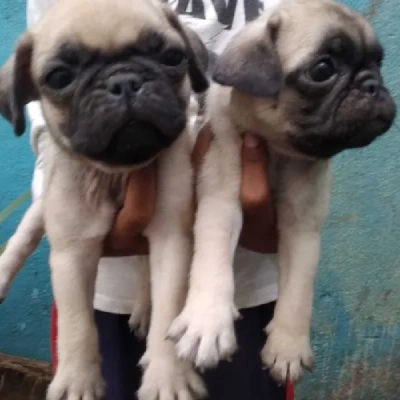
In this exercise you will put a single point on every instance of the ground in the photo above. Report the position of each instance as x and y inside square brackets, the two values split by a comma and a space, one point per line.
[23, 379]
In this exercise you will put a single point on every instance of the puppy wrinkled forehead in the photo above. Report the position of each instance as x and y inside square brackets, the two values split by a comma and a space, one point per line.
[99, 24]
[312, 22]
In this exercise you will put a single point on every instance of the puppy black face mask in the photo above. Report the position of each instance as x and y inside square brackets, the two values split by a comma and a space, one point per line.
[119, 101]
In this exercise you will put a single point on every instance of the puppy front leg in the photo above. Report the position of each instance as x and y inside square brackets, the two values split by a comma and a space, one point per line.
[302, 207]
[21, 245]
[204, 331]
[165, 376]
[73, 272]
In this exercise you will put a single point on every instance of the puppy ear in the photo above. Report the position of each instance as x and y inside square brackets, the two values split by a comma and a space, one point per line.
[198, 55]
[16, 85]
[250, 63]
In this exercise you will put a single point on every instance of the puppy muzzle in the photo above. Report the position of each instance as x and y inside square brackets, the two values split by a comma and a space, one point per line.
[126, 117]
[367, 112]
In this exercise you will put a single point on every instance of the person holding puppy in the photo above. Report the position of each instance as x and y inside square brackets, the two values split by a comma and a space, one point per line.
[255, 272]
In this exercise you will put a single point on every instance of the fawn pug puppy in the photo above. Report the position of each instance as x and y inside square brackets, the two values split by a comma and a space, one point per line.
[305, 76]
[114, 80]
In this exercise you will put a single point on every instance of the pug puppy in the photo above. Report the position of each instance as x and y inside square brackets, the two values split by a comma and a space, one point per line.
[114, 79]
[305, 76]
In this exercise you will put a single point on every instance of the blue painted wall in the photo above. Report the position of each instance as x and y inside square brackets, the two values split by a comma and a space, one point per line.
[356, 327]
[24, 316]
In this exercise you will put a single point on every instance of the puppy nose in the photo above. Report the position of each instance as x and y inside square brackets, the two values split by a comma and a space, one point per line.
[371, 86]
[123, 85]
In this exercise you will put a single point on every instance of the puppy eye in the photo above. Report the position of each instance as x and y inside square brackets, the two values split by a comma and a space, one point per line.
[173, 57]
[323, 70]
[59, 78]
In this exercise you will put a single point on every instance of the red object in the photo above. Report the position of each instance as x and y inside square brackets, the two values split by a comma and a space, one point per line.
[53, 349]
[289, 391]
[53, 337]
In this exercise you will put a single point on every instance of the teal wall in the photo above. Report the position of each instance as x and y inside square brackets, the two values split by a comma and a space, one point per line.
[356, 327]
[24, 316]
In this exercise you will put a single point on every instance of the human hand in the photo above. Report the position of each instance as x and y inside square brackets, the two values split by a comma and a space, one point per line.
[259, 231]
[125, 237]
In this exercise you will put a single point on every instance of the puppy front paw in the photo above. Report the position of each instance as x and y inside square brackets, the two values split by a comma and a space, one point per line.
[170, 378]
[77, 383]
[204, 332]
[286, 353]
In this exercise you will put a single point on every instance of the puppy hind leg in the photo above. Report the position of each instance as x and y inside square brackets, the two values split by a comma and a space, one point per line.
[288, 349]
[302, 208]
[21, 245]
[166, 377]
[141, 309]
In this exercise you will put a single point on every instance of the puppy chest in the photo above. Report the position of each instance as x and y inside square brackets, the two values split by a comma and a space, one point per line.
[83, 206]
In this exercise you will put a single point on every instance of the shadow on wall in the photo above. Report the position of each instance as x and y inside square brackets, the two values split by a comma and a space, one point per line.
[356, 328]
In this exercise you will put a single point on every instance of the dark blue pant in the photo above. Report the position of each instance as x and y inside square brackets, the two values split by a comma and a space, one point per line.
[241, 379]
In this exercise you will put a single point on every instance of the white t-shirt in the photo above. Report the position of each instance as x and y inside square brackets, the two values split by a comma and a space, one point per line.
[216, 21]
